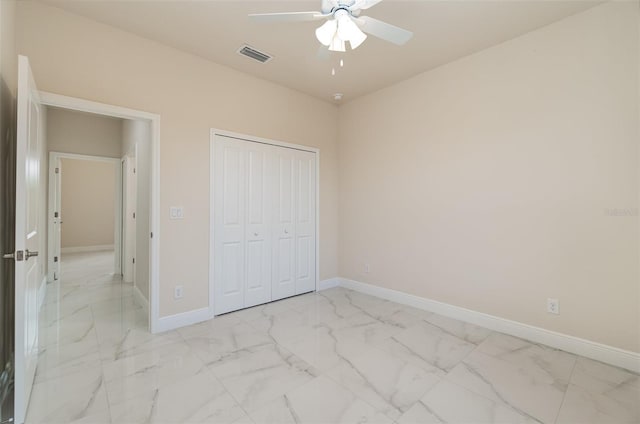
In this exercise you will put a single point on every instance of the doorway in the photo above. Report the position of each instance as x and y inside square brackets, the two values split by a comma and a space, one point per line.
[85, 204]
[137, 232]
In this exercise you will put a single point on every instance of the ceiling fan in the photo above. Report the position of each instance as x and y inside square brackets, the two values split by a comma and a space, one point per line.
[343, 23]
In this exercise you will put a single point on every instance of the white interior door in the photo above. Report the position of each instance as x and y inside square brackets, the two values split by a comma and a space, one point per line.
[55, 217]
[263, 223]
[229, 224]
[284, 228]
[305, 218]
[28, 268]
[258, 230]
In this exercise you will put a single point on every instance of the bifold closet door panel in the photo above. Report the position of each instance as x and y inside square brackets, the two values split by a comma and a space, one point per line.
[283, 228]
[258, 228]
[229, 224]
[305, 217]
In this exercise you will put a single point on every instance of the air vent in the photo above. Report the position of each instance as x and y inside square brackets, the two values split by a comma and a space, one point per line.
[254, 54]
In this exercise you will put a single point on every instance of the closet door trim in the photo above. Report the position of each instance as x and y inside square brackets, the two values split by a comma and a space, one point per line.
[217, 132]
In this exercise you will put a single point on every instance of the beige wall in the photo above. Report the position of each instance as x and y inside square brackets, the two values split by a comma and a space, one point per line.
[83, 133]
[486, 183]
[88, 203]
[81, 58]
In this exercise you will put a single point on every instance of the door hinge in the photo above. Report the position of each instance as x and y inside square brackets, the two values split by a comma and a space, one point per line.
[134, 170]
[57, 170]
[134, 260]
[134, 215]
[55, 259]
[55, 214]
[151, 235]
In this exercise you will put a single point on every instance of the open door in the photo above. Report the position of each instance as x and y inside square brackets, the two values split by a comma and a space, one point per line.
[28, 266]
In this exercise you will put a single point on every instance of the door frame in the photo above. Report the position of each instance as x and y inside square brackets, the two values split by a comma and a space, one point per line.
[82, 105]
[54, 157]
[125, 180]
[254, 139]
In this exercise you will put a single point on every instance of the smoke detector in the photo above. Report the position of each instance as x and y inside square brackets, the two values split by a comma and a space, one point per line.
[337, 97]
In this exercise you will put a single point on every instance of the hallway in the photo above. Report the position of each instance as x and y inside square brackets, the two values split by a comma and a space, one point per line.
[88, 317]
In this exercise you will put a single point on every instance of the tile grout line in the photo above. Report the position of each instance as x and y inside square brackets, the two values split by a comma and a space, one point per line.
[564, 395]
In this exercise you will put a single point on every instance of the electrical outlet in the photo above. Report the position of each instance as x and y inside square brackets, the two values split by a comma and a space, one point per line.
[178, 292]
[553, 306]
[367, 268]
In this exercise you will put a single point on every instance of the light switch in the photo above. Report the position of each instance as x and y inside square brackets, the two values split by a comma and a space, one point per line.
[176, 212]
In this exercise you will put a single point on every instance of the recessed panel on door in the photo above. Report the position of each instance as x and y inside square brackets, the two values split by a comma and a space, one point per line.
[258, 230]
[229, 226]
[305, 217]
[283, 284]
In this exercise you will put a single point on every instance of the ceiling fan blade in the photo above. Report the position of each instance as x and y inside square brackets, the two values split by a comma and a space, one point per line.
[383, 30]
[286, 16]
[364, 4]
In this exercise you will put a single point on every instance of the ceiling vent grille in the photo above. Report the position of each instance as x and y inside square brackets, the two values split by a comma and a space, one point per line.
[254, 54]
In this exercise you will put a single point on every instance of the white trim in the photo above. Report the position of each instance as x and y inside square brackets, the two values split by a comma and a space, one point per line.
[317, 229]
[183, 319]
[329, 283]
[54, 160]
[255, 139]
[73, 103]
[84, 157]
[139, 299]
[82, 105]
[262, 140]
[604, 353]
[154, 224]
[51, 205]
[211, 307]
[80, 249]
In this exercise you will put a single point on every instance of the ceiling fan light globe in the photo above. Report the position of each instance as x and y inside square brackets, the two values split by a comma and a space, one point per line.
[357, 40]
[326, 32]
[337, 44]
[347, 28]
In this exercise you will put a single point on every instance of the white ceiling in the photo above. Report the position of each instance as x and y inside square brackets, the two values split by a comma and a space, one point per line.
[215, 29]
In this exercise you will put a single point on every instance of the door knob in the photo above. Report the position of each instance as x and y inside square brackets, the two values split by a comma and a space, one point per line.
[28, 254]
[18, 255]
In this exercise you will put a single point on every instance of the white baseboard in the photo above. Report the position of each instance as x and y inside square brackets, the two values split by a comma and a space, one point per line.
[183, 319]
[140, 300]
[80, 249]
[601, 352]
[329, 283]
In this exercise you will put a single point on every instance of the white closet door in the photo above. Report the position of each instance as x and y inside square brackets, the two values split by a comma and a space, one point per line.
[258, 229]
[305, 218]
[283, 247]
[229, 224]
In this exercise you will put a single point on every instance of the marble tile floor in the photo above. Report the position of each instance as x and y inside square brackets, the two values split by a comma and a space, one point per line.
[336, 356]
